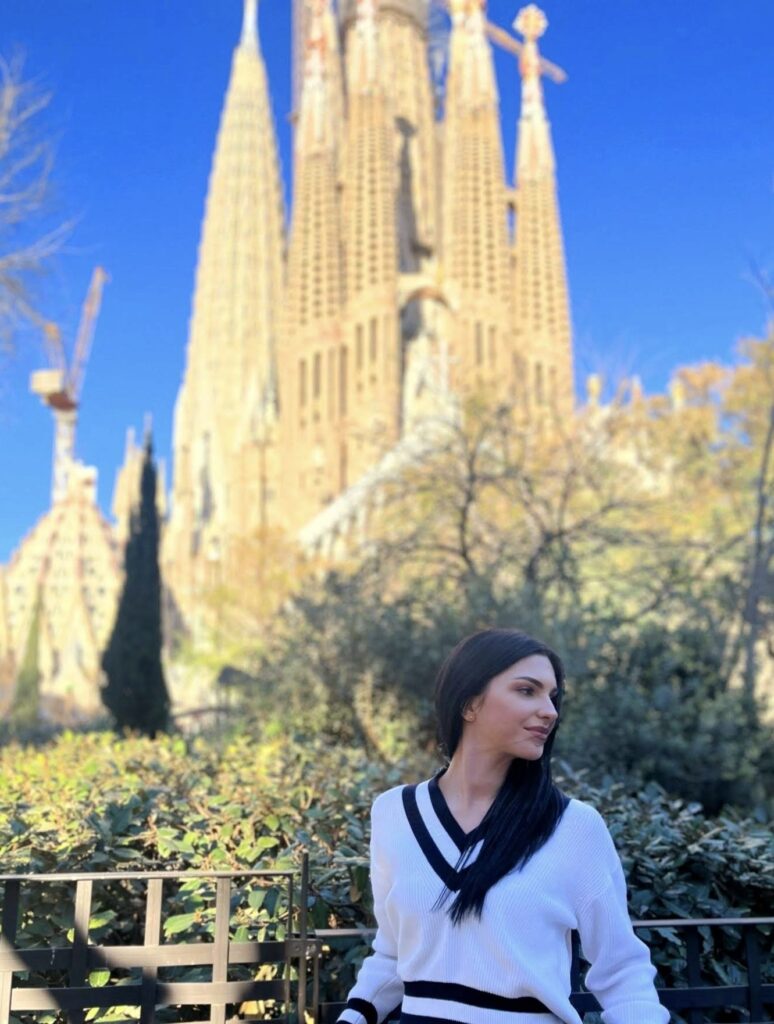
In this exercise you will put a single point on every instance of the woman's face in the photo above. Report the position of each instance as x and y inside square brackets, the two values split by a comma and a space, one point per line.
[514, 702]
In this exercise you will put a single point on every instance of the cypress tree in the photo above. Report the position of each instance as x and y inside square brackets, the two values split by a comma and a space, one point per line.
[135, 691]
[26, 700]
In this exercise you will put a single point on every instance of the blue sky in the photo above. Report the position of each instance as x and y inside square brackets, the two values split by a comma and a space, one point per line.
[665, 151]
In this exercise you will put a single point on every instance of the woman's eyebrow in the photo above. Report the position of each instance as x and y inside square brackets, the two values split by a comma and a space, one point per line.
[531, 679]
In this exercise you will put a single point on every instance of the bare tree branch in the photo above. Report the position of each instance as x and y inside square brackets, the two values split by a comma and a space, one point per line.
[26, 164]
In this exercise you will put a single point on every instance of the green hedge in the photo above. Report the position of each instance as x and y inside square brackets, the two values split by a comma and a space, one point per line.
[95, 802]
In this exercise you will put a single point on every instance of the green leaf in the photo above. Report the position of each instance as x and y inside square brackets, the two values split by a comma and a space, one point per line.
[97, 979]
[101, 919]
[266, 843]
[178, 923]
[256, 898]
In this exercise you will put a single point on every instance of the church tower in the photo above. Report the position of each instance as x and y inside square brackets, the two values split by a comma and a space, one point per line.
[314, 364]
[474, 224]
[402, 29]
[372, 395]
[399, 288]
[541, 301]
[228, 397]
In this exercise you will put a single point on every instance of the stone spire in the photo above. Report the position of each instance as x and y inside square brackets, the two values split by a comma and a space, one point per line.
[249, 40]
[541, 301]
[126, 490]
[68, 571]
[474, 224]
[402, 28]
[313, 361]
[373, 383]
[233, 329]
[321, 106]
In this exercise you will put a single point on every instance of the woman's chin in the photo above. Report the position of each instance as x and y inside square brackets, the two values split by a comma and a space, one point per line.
[530, 751]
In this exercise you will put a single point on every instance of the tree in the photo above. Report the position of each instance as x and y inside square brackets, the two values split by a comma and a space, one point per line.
[26, 701]
[26, 161]
[136, 692]
[751, 404]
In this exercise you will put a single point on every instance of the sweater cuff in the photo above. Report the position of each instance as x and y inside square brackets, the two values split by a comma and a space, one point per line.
[358, 1011]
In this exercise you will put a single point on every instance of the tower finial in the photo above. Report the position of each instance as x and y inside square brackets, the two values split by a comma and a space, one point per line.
[531, 23]
[249, 38]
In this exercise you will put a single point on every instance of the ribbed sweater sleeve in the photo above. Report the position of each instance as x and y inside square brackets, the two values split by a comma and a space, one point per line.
[621, 974]
[378, 989]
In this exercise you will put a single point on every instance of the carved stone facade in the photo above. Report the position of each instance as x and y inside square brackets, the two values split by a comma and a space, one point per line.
[67, 574]
[400, 285]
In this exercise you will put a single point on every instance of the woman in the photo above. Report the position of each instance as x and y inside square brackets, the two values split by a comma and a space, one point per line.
[480, 873]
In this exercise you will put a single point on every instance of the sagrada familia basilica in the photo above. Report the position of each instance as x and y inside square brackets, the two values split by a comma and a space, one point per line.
[412, 269]
[419, 263]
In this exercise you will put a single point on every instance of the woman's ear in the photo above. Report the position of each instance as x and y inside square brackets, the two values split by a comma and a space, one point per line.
[470, 709]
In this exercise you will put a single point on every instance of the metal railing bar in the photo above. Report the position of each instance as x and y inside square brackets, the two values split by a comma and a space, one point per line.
[693, 970]
[150, 971]
[316, 983]
[753, 950]
[289, 931]
[692, 922]
[78, 961]
[178, 954]
[302, 923]
[220, 951]
[167, 993]
[661, 922]
[112, 876]
[10, 921]
[575, 971]
[705, 996]
[10, 918]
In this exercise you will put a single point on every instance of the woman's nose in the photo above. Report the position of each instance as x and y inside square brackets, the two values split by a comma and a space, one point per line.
[550, 711]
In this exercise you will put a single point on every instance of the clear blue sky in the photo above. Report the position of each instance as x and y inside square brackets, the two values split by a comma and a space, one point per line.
[665, 148]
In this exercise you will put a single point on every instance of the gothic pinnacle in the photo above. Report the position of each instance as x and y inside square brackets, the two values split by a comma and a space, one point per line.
[249, 40]
[366, 34]
[531, 23]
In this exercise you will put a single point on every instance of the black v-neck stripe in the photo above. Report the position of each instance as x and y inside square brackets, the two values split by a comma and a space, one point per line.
[439, 864]
[460, 838]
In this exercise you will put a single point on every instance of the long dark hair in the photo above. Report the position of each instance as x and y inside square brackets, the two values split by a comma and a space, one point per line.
[528, 806]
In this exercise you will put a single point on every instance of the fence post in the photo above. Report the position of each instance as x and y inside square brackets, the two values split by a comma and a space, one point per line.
[150, 974]
[303, 935]
[78, 964]
[754, 973]
[220, 961]
[7, 940]
[693, 951]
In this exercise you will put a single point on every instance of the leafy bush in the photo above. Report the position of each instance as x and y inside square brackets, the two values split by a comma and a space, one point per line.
[643, 699]
[654, 704]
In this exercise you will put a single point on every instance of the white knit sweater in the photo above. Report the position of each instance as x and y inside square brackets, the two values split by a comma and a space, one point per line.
[472, 973]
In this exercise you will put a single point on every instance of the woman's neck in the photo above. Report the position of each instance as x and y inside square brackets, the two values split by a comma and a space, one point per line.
[473, 779]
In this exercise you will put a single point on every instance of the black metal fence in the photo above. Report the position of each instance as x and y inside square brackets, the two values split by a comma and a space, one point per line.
[292, 993]
[147, 991]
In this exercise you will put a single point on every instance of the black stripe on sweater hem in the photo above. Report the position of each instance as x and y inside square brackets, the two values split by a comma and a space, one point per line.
[412, 1018]
[367, 1009]
[457, 993]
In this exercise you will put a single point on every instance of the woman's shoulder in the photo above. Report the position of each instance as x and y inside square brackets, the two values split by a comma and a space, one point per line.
[385, 802]
[586, 819]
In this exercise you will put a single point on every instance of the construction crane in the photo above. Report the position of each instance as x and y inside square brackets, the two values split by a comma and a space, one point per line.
[59, 387]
